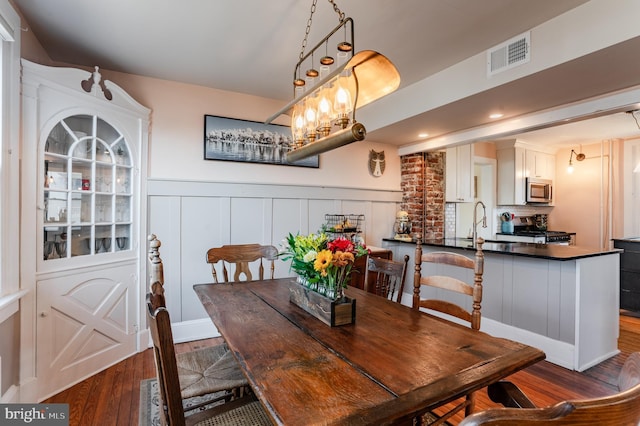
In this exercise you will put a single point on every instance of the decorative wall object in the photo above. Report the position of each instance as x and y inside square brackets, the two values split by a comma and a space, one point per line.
[230, 139]
[376, 163]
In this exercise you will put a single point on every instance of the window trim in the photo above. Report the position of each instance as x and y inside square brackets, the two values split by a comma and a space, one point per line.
[9, 153]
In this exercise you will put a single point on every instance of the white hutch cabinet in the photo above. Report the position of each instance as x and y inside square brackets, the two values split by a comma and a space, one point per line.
[83, 243]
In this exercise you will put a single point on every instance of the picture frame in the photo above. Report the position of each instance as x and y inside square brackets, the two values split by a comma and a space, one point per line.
[231, 139]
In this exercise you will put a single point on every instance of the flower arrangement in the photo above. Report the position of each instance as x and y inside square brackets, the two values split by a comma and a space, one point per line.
[323, 265]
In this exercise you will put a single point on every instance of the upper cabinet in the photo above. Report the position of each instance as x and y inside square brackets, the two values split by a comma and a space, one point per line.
[511, 176]
[459, 174]
[516, 162]
[540, 165]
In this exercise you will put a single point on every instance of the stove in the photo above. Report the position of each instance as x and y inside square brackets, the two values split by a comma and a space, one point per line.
[525, 231]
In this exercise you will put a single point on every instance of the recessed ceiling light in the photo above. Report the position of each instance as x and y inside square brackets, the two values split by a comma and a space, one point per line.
[423, 135]
[496, 115]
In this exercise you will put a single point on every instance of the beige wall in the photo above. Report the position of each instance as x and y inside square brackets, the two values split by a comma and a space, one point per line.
[484, 149]
[176, 146]
[586, 203]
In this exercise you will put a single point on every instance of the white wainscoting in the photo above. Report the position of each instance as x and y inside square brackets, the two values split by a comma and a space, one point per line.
[190, 217]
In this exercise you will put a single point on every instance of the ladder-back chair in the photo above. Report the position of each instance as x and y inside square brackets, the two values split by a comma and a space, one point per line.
[243, 410]
[473, 290]
[209, 371]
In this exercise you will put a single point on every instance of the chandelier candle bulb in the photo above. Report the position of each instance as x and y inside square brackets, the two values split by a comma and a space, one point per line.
[311, 119]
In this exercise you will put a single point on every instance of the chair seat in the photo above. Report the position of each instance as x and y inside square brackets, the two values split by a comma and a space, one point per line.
[208, 370]
[248, 414]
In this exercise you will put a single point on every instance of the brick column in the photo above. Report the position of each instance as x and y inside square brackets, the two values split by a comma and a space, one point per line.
[434, 204]
[412, 185]
[422, 184]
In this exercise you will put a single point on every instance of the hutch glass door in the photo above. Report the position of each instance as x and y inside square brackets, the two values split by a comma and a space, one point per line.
[87, 189]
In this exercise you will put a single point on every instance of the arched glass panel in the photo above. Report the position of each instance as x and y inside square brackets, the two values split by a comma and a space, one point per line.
[87, 189]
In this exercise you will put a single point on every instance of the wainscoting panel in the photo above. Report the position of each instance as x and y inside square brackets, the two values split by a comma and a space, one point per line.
[191, 217]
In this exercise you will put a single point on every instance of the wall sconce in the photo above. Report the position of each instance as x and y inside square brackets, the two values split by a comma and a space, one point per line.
[579, 157]
[325, 101]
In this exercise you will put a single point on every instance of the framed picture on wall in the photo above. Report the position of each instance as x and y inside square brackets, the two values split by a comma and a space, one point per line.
[230, 139]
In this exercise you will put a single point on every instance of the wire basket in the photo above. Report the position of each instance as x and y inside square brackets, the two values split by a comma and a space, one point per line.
[343, 223]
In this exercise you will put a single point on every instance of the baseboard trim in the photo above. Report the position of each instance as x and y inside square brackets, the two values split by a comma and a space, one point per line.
[186, 331]
[11, 395]
[559, 353]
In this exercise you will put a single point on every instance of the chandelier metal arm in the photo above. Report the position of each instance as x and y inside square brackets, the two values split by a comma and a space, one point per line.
[303, 58]
[356, 82]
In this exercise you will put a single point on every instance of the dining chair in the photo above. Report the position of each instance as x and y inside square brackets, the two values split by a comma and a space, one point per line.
[242, 256]
[622, 408]
[433, 263]
[207, 371]
[244, 410]
[386, 277]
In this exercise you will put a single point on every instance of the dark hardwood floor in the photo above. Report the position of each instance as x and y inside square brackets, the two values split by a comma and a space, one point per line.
[111, 397]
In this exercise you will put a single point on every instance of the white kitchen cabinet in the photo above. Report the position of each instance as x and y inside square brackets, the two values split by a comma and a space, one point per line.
[511, 176]
[83, 197]
[516, 162]
[459, 186]
[540, 164]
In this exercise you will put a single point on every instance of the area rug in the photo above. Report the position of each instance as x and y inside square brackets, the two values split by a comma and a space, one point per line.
[150, 403]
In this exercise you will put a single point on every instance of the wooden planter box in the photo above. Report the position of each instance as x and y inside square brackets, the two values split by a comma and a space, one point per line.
[327, 310]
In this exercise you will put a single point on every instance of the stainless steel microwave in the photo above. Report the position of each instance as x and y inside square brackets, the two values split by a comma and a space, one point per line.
[539, 191]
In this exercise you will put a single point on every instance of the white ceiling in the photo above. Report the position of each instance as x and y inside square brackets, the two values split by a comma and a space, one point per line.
[251, 46]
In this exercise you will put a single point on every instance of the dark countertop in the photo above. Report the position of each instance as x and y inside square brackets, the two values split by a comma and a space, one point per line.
[628, 239]
[542, 251]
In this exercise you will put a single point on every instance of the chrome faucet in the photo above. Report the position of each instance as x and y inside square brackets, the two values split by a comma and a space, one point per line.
[476, 221]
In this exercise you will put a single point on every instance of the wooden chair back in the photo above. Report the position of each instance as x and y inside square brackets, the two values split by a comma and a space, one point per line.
[621, 409]
[166, 365]
[242, 255]
[156, 273]
[389, 277]
[473, 290]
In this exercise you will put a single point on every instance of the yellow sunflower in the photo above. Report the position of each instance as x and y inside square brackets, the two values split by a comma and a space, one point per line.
[323, 260]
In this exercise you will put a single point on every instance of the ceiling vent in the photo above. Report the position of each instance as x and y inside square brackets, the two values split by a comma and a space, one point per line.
[509, 54]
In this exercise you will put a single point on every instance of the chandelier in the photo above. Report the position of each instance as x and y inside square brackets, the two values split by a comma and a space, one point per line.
[326, 97]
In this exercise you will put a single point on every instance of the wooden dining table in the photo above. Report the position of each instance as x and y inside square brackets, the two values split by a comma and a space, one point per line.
[390, 364]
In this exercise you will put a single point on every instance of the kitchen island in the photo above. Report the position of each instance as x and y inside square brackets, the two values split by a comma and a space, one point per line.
[561, 299]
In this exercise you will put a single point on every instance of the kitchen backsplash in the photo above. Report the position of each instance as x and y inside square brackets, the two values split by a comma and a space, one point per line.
[518, 211]
[450, 220]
